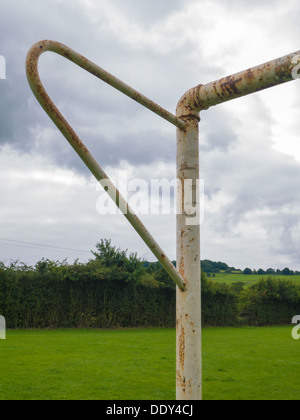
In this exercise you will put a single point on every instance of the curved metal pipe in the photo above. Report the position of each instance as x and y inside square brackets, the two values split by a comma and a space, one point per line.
[68, 132]
[61, 49]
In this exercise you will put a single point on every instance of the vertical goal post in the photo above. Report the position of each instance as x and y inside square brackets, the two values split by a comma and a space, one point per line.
[187, 273]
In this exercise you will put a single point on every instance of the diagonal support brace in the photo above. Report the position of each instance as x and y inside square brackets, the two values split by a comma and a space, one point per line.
[80, 148]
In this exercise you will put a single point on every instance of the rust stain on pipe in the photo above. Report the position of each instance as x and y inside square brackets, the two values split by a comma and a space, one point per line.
[182, 347]
[249, 81]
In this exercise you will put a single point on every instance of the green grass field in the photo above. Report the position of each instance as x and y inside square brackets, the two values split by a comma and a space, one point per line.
[248, 279]
[139, 364]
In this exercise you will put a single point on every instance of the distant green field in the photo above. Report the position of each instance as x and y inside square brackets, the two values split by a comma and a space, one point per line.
[139, 364]
[248, 279]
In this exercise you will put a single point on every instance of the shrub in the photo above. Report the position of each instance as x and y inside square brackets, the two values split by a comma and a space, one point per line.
[270, 301]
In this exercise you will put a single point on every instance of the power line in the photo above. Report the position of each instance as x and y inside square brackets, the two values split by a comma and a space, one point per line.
[34, 245]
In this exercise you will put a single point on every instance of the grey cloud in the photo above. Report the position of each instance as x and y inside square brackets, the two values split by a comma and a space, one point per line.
[84, 101]
[148, 12]
[265, 194]
[220, 136]
[21, 26]
[253, 178]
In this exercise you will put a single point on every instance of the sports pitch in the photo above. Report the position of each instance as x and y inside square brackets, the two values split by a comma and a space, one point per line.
[139, 364]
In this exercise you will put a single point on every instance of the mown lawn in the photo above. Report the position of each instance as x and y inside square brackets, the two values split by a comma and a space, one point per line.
[139, 364]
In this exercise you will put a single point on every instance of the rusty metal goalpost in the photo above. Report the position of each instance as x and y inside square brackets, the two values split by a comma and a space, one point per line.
[187, 273]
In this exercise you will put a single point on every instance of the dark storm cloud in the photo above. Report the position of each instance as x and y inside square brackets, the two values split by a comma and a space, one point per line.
[20, 27]
[117, 128]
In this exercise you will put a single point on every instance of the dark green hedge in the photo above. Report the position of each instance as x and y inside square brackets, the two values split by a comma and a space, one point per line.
[91, 295]
[81, 296]
[271, 301]
[219, 304]
[113, 291]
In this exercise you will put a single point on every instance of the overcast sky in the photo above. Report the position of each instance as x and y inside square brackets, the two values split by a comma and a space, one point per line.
[249, 148]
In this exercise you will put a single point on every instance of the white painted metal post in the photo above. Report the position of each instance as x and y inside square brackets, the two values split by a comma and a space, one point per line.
[199, 98]
[188, 305]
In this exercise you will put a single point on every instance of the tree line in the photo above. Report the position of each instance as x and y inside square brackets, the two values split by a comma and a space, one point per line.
[115, 290]
[210, 267]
